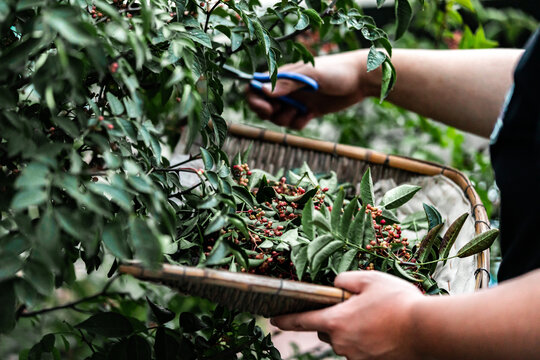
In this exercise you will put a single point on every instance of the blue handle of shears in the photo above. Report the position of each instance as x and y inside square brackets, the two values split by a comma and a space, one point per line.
[311, 85]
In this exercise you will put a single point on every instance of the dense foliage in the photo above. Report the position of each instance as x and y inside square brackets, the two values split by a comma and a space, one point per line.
[91, 93]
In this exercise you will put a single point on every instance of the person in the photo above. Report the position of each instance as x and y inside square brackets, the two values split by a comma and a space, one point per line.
[388, 318]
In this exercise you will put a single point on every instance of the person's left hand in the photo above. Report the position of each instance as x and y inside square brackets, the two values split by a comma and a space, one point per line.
[373, 324]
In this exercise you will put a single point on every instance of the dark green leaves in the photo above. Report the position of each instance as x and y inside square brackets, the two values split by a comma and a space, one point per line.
[427, 243]
[403, 17]
[161, 314]
[375, 59]
[145, 242]
[433, 216]
[366, 189]
[399, 196]
[451, 235]
[479, 243]
[7, 306]
[108, 324]
[307, 220]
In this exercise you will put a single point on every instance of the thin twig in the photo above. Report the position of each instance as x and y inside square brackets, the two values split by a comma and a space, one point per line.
[208, 15]
[191, 158]
[73, 305]
[86, 341]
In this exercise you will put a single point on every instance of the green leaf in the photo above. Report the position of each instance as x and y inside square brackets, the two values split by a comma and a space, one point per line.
[218, 222]
[108, 324]
[191, 323]
[117, 195]
[321, 222]
[219, 252]
[380, 3]
[7, 306]
[262, 36]
[207, 158]
[307, 220]
[366, 189]
[314, 17]
[479, 243]
[146, 244]
[375, 59]
[242, 194]
[300, 260]
[323, 254]
[346, 219]
[166, 346]
[290, 237]
[238, 222]
[347, 260]
[403, 17]
[40, 276]
[48, 235]
[9, 265]
[161, 314]
[399, 196]
[316, 245]
[34, 175]
[198, 36]
[28, 197]
[369, 231]
[356, 231]
[450, 236]
[388, 79]
[427, 243]
[303, 21]
[116, 105]
[335, 214]
[403, 273]
[115, 240]
[433, 216]
[64, 20]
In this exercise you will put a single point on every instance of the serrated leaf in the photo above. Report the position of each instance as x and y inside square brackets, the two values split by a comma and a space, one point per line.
[403, 17]
[108, 324]
[479, 243]
[347, 260]
[366, 189]
[427, 243]
[399, 196]
[375, 59]
[323, 254]
[369, 230]
[335, 214]
[316, 245]
[450, 236]
[307, 219]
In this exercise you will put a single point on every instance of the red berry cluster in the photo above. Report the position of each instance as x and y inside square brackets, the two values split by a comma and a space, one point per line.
[241, 174]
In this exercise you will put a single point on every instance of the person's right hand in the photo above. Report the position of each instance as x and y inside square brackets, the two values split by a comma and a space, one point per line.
[342, 82]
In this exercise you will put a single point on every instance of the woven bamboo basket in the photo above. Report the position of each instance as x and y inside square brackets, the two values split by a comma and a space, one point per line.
[272, 151]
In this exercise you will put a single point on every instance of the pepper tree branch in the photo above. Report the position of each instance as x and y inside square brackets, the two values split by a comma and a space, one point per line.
[73, 305]
[208, 15]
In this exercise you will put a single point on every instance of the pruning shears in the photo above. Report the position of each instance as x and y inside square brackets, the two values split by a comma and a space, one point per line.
[257, 79]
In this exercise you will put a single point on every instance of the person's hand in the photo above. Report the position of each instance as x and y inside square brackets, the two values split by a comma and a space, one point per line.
[373, 324]
[342, 82]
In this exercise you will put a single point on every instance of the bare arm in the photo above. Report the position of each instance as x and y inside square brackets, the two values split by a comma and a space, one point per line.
[462, 88]
[390, 319]
[499, 323]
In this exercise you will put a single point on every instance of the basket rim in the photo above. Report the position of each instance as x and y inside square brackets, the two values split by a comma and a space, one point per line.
[421, 167]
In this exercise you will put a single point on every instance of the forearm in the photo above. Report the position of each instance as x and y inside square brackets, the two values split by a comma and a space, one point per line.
[498, 323]
[462, 88]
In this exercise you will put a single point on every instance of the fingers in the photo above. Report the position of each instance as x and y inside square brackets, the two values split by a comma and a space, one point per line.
[306, 321]
[354, 281]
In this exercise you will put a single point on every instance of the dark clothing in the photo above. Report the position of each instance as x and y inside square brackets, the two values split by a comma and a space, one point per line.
[515, 155]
